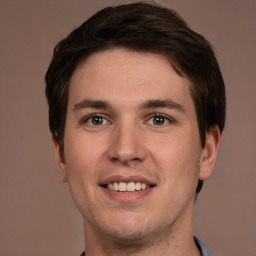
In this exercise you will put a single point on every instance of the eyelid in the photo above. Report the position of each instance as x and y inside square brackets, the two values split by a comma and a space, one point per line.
[86, 118]
[167, 117]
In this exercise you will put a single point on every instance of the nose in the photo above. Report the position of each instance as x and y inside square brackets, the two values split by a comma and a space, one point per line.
[127, 145]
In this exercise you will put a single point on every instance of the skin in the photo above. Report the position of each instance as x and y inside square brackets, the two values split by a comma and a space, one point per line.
[131, 141]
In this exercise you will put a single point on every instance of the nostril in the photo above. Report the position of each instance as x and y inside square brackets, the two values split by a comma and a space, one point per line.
[114, 159]
[126, 160]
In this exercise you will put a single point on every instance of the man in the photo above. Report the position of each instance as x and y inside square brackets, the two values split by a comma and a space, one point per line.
[136, 108]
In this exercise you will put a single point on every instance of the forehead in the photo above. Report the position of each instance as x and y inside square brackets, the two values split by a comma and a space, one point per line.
[127, 76]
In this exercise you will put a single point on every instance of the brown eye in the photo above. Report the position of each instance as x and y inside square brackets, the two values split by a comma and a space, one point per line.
[96, 120]
[159, 120]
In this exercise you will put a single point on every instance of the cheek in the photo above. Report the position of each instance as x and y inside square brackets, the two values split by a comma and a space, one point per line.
[82, 158]
[179, 148]
[82, 153]
[177, 158]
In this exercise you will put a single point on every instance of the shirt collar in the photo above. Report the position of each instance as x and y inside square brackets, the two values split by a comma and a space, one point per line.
[201, 247]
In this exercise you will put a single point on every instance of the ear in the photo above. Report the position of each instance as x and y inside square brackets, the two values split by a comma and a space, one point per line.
[209, 153]
[61, 166]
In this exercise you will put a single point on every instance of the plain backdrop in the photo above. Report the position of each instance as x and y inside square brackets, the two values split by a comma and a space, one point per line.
[37, 214]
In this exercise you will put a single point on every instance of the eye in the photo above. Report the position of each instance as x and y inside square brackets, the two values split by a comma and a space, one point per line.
[160, 119]
[95, 120]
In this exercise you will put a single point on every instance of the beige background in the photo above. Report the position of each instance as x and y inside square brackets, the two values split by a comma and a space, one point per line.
[36, 212]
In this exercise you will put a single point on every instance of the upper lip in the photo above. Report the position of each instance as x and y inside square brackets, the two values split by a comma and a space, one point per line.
[126, 179]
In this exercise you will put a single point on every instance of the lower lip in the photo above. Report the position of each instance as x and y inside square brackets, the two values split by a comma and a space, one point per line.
[127, 196]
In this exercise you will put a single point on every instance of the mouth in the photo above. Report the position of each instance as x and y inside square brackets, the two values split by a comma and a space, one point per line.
[127, 189]
[119, 183]
[130, 186]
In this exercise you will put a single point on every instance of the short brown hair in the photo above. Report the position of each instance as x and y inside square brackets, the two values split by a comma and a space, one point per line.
[142, 27]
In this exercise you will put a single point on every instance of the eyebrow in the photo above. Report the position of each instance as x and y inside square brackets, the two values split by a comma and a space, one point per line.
[100, 104]
[86, 103]
[162, 104]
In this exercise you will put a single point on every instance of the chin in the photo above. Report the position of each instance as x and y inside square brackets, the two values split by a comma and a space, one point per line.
[128, 231]
[129, 237]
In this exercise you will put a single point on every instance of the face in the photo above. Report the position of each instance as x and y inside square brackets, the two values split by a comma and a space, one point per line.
[132, 147]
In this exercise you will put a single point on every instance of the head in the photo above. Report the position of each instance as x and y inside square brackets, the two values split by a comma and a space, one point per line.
[139, 27]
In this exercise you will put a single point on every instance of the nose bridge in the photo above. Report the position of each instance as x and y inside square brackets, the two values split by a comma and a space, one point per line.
[127, 142]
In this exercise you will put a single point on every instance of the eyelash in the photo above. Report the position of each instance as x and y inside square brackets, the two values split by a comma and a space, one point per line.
[165, 117]
[87, 118]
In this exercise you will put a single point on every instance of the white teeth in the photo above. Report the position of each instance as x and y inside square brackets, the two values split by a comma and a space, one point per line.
[130, 186]
[122, 186]
[138, 186]
[115, 186]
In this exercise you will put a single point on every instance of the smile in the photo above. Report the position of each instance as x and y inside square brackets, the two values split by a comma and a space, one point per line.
[127, 187]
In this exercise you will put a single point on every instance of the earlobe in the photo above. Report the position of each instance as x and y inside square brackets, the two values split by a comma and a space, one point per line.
[209, 153]
[61, 166]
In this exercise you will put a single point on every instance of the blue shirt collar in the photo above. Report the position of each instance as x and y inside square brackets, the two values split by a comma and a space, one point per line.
[201, 247]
